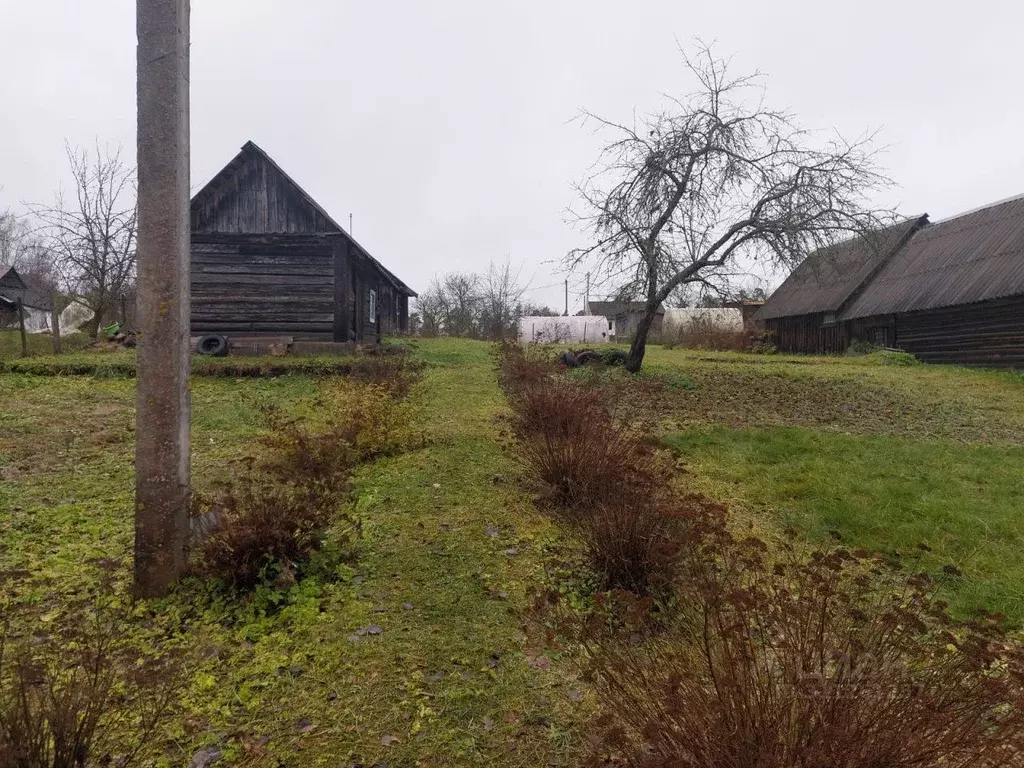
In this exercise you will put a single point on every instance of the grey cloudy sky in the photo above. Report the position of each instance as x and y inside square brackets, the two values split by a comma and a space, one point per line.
[443, 125]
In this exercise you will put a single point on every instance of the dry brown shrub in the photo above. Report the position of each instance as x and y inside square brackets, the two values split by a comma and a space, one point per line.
[829, 659]
[72, 690]
[266, 530]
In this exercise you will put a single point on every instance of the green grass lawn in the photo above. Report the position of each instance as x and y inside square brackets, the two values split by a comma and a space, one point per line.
[450, 547]
[963, 503]
[843, 449]
[38, 343]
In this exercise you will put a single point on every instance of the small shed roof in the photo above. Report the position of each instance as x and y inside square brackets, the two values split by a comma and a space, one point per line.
[972, 257]
[829, 277]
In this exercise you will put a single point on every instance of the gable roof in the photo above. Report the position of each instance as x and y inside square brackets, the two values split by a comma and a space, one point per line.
[12, 280]
[613, 308]
[13, 287]
[828, 278]
[971, 257]
[322, 220]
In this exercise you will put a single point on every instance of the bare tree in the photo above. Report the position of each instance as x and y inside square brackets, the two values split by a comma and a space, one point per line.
[483, 306]
[430, 309]
[21, 248]
[92, 235]
[500, 303]
[461, 297]
[713, 186]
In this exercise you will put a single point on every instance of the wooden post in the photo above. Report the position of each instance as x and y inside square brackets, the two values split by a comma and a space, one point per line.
[55, 324]
[162, 404]
[21, 327]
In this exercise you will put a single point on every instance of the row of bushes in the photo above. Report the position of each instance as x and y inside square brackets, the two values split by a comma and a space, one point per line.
[370, 368]
[709, 649]
[704, 333]
[80, 689]
[267, 523]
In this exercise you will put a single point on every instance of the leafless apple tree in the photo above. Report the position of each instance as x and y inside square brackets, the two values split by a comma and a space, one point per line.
[91, 232]
[714, 185]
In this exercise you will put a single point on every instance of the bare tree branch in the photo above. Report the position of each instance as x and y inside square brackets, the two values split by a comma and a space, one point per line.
[714, 184]
[92, 237]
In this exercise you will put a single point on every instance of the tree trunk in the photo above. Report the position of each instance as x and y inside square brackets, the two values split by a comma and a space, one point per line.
[55, 323]
[94, 323]
[639, 346]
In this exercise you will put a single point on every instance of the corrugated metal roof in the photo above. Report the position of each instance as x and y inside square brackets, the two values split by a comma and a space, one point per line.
[969, 258]
[827, 278]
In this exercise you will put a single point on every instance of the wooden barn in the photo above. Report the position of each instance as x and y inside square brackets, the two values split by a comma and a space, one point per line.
[267, 260]
[950, 291]
[803, 313]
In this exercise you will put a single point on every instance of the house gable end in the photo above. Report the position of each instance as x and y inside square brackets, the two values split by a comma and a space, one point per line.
[253, 195]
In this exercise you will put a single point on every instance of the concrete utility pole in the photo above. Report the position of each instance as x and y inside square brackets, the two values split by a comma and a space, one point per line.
[162, 407]
[566, 297]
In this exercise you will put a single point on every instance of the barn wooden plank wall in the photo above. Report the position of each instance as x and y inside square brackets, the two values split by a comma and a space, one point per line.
[989, 333]
[808, 334]
[263, 284]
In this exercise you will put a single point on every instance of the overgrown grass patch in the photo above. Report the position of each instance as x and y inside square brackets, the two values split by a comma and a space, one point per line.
[411, 653]
[954, 510]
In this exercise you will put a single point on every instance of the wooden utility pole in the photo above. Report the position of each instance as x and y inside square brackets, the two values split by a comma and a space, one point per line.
[566, 297]
[162, 302]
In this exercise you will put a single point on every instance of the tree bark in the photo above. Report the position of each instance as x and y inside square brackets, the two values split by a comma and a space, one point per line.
[639, 346]
[21, 327]
[94, 323]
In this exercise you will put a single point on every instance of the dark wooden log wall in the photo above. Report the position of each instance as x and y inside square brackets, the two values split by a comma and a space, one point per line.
[988, 333]
[281, 284]
[807, 334]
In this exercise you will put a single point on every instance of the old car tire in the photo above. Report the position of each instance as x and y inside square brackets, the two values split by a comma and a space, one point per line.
[214, 345]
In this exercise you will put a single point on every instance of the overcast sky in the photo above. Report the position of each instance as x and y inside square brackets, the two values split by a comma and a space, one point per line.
[443, 126]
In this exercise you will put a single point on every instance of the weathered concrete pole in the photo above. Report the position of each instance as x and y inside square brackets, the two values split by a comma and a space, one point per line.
[162, 303]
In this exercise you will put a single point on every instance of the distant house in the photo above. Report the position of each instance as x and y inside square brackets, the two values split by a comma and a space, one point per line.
[266, 259]
[950, 291]
[38, 306]
[623, 316]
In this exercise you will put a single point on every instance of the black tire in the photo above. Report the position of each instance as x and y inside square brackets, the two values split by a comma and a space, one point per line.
[615, 357]
[213, 345]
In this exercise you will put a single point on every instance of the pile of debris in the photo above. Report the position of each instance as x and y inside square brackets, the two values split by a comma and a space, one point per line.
[115, 337]
[575, 358]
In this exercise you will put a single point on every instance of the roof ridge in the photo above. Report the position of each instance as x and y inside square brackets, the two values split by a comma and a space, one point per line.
[979, 209]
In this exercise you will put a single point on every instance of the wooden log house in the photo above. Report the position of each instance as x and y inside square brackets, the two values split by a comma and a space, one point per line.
[266, 259]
